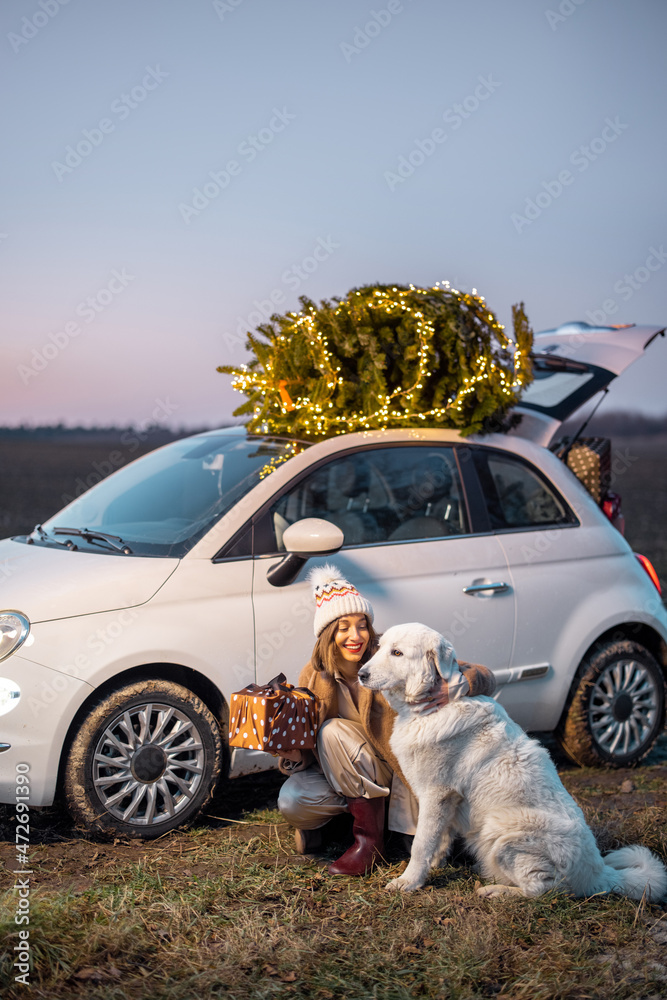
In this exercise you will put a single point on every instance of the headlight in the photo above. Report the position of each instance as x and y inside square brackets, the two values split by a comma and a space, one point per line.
[10, 694]
[14, 630]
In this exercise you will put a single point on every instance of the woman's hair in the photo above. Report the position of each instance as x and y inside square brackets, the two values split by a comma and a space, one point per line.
[325, 651]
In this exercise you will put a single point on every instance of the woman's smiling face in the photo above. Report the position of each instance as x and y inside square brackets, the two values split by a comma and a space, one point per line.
[352, 637]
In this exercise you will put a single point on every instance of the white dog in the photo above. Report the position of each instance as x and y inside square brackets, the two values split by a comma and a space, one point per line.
[477, 774]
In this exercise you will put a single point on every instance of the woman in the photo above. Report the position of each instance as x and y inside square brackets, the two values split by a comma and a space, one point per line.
[353, 768]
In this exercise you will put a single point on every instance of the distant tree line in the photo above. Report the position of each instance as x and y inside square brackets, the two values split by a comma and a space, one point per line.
[616, 423]
[60, 432]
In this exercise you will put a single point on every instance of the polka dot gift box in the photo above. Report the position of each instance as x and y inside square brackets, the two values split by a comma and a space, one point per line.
[274, 717]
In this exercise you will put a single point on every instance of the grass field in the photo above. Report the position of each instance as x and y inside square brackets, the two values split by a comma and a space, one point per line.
[228, 910]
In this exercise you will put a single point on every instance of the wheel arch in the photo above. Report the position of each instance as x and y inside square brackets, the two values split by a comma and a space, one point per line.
[638, 632]
[571, 728]
[177, 673]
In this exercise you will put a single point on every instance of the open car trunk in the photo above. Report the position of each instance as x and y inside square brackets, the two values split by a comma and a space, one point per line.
[571, 364]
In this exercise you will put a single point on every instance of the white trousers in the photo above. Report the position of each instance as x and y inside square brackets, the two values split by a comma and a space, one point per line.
[349, 769]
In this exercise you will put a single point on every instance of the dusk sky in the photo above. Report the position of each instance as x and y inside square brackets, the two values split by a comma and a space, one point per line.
[174, 170]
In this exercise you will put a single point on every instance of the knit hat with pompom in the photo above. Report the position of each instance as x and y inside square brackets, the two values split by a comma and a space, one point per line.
[334, 597]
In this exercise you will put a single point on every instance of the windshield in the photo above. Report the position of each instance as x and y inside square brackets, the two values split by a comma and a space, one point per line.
[166, 501]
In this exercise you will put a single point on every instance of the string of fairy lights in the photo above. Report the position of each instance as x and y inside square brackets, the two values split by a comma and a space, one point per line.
[291, 449]
[400, 404]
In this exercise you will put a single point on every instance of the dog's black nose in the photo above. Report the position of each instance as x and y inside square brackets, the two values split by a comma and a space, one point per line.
[363, 674]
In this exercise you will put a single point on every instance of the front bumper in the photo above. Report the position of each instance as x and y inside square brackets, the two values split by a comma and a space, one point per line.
[36, 728]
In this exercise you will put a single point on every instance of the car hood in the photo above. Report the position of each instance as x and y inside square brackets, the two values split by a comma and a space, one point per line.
[48, 583]
[572, 363]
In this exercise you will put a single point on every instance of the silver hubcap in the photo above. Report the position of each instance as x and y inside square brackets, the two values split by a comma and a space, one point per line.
[148, 764]
[623, 708]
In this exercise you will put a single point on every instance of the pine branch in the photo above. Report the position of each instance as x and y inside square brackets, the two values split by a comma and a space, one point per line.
[384, 356]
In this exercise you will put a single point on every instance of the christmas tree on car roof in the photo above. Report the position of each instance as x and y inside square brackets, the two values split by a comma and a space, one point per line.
[384, 356]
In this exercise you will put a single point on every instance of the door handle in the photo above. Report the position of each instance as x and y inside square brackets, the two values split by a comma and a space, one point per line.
[477, 588]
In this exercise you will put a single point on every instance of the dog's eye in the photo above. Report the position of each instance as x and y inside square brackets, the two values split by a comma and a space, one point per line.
[396, 652]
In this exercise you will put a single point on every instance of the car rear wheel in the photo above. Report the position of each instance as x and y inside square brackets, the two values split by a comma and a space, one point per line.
[144, 761]
[617, 709]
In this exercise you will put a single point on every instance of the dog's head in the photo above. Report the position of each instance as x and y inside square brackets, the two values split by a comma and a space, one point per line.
[410, 660]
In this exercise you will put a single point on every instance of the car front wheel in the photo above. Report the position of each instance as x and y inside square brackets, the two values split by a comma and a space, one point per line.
[618, 707]
[145, 760]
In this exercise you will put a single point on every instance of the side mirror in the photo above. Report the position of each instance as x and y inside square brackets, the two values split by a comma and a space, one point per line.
[313, 537]
[304, 539]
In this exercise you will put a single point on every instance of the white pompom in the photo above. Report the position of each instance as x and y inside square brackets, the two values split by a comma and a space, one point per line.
[320, 576]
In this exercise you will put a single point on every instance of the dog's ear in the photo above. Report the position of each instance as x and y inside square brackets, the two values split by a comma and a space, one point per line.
[422, 678]
[444, 659]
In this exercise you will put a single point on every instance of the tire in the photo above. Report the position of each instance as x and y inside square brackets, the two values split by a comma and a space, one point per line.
[617, 709]
[164, 752]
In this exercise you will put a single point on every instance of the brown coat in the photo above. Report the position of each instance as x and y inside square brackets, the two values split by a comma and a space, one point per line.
[376, 715]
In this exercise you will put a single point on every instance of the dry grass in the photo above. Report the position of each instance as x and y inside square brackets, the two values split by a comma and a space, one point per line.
[231, 912]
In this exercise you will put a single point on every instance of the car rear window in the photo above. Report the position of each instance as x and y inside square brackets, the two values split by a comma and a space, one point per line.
[516, 494]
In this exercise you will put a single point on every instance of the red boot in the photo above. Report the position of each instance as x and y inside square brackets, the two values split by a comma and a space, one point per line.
[368, 830]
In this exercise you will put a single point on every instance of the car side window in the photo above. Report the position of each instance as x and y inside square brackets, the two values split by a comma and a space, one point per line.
[378, 495]
[516, 495]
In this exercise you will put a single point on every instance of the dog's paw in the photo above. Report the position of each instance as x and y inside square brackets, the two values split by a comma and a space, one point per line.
[493, 891]
[403, 884]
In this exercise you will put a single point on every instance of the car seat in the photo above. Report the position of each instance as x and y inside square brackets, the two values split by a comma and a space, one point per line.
[338, 492]
[432, 510]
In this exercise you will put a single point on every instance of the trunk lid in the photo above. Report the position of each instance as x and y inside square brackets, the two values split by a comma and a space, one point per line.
[572, 363]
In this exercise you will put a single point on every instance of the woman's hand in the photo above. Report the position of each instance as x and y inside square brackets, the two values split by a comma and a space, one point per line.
[442, 693]
[291, 761]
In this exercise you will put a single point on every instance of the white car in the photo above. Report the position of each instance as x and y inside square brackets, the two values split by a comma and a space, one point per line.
[132, 615]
